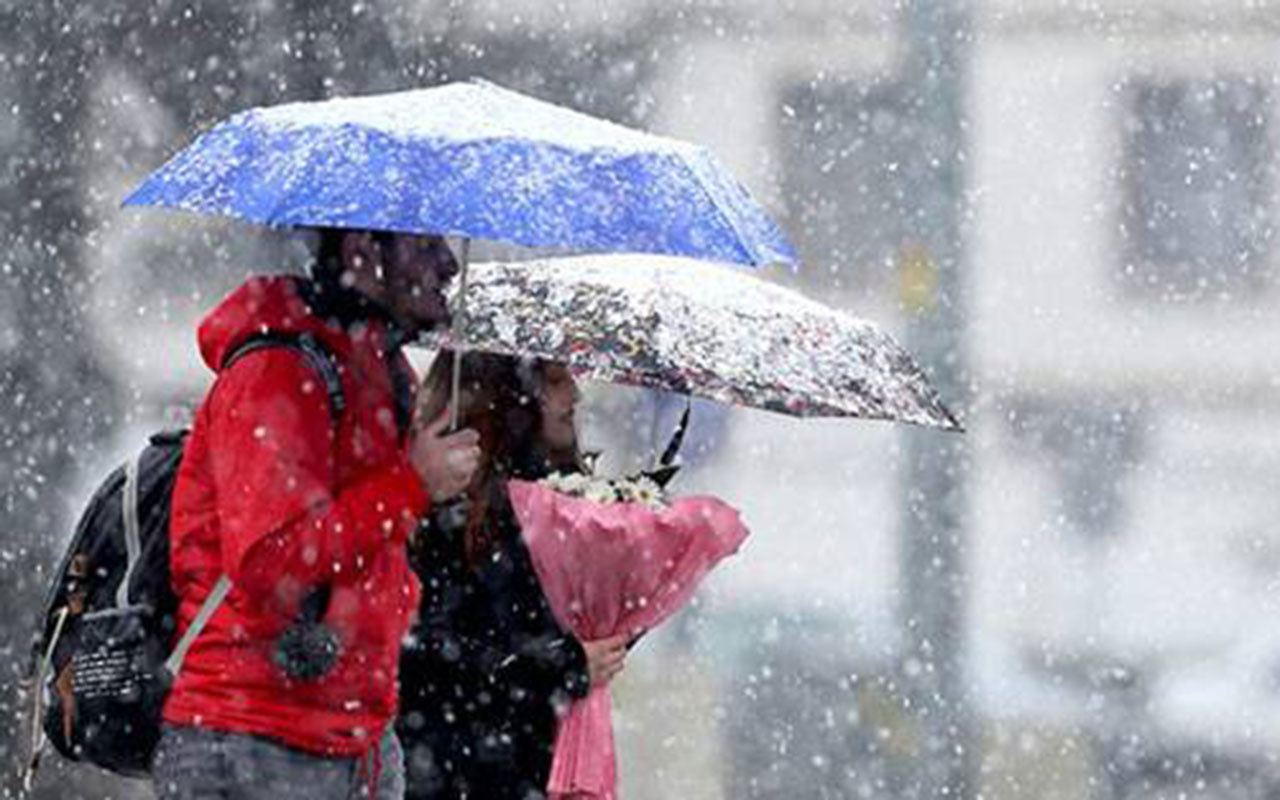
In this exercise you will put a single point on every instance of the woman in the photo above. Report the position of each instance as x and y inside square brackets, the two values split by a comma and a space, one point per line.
[487, 666]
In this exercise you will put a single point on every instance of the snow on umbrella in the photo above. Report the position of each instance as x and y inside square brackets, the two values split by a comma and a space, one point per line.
[471, 160]
[696, 328]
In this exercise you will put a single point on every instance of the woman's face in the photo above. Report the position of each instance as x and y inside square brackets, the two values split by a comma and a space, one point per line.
[559, 395]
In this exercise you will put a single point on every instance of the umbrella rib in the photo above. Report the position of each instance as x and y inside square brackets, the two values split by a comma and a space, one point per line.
[742, 241]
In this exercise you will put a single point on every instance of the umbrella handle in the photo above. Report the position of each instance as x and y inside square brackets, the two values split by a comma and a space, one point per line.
[668, 456]
[459, 322]
[662, 463]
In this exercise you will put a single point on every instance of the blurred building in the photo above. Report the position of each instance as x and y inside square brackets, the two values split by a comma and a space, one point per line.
[1120, 290]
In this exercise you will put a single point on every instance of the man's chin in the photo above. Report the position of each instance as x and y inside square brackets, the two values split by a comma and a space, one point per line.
[440, 315]
[433, 321]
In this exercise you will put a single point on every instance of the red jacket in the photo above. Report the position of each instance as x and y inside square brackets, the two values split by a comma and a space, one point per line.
[275, 493]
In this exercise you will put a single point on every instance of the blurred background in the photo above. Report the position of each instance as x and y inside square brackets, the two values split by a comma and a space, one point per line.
[1065, 208]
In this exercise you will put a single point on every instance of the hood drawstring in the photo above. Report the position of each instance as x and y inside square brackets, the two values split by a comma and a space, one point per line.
[370, 769]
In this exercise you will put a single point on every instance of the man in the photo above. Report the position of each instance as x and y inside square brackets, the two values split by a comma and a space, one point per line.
[307, 512]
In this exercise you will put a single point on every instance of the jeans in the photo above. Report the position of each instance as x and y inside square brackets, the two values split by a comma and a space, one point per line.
[201, 764]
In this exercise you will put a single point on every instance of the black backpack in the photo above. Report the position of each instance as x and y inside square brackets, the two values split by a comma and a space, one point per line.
[101, 659]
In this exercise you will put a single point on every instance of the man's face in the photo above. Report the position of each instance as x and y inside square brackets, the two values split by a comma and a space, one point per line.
[415, 271]
[558, 396]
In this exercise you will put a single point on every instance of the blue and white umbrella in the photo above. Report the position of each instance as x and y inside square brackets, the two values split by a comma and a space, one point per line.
[472, 160]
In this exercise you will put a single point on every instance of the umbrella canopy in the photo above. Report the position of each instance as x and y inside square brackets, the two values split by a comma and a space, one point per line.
[696, 328]
[472, 160]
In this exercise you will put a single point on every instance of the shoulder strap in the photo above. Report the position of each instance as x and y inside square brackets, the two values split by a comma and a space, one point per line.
[216, 595]
[132, 538]
[318, 355]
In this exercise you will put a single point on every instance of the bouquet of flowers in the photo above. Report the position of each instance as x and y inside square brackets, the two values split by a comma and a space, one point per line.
[613, 556]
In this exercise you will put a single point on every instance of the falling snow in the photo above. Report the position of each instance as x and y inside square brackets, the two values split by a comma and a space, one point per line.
[1064, 212]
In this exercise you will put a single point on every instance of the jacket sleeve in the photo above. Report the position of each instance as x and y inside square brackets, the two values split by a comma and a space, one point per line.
[554, 661]
[285, 527]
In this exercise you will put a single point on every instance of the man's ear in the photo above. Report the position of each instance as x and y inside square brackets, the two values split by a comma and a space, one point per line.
[358, 251]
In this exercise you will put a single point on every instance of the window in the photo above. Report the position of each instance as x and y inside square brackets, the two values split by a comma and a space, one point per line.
[847, 167]
[1091, 444]
[1196, 187]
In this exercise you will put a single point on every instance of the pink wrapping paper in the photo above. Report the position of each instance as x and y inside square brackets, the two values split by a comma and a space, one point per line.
[608, 569]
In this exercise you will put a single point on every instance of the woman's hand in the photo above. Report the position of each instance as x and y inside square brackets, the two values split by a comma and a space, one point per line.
[605, 658]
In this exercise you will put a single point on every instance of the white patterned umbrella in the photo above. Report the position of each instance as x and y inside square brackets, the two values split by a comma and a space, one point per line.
[695, 328]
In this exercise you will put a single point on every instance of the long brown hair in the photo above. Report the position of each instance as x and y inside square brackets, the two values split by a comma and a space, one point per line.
[499, 399]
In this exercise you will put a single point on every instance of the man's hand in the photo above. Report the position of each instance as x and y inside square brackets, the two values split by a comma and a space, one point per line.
[444, 462]
[605, 658]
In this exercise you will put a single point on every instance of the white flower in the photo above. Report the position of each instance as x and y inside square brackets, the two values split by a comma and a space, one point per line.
[576, 483]
[599, 492]
[647, 492]
[572, 483]
[604, 491]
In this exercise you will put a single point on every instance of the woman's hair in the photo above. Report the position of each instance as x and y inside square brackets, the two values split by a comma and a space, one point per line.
[499, 399]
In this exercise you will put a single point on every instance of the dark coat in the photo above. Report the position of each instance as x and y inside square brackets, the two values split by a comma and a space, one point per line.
[485, 669]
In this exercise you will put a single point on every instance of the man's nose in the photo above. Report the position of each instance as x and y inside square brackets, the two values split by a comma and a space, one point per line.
[448, 263]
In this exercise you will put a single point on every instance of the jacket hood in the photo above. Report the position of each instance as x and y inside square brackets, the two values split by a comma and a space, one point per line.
[276, 304]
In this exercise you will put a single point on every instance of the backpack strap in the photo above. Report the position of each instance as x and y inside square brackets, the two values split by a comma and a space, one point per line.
[216, 595]
[133, 545]
[132, 540]
[318, 354]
